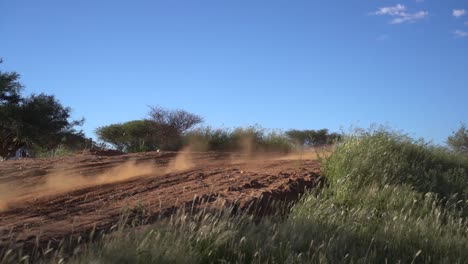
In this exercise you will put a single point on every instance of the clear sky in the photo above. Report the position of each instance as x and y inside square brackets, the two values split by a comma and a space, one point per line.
[279, 63]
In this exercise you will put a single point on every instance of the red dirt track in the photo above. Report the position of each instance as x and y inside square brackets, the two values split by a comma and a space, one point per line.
[53, 212]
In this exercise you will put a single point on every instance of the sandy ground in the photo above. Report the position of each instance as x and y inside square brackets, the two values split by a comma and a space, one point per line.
[49, 199]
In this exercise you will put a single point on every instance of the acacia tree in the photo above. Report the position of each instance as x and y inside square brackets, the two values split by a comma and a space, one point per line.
[163, 129]
[313, 137]
[139, 135]
[177, 119]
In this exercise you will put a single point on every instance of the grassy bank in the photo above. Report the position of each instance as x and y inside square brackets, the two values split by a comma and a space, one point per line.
[389, 199]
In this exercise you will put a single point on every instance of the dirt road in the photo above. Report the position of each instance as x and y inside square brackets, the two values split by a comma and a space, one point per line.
[49, 199]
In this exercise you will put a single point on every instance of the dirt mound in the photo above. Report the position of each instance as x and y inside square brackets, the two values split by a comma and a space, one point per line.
[91, 192]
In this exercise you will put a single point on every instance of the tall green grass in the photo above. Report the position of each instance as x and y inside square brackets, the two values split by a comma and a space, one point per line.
[60, 151]
[389, 199]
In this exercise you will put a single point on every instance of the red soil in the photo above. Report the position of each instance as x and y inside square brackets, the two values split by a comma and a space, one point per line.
[51, 199]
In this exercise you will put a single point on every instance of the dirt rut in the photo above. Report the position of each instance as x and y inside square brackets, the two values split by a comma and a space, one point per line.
[43, 215]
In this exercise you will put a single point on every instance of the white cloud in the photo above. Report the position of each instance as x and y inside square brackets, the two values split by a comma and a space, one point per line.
[458, 12]
[410, 17]
[460, 33]
[466, 23]
[400, 15]
[391, 10]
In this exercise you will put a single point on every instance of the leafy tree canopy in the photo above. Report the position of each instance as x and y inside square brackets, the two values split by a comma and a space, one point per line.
[177, 119]
[38, 121]
[162, 130]
[140, 135]
[313, 137]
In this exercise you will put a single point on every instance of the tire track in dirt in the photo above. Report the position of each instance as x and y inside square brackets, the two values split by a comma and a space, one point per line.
[217, 178]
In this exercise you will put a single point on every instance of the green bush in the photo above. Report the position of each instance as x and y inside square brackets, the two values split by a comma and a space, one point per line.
[207, 138]
[391, 199]
[458, 141]
[313, 138]
[60, 151]
[380, 158]
[275, 141]
[249, 140]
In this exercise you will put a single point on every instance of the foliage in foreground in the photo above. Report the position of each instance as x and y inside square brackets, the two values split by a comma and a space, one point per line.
[390, 199]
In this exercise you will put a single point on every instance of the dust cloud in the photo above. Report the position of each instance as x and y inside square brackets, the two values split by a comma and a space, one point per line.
[60, 181]
[183, 161]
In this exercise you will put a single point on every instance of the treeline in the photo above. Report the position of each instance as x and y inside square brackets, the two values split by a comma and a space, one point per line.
[41, 124]
[37, 122]
[174, 129]
[257, 139]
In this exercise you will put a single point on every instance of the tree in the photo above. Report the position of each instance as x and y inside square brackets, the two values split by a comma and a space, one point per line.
[162, 130]
[333, 138]
[113, 134]
[36, 121]
[458, 141]
[140, 135]
[177, 119]
[301, 137]
[10, 89]
[45, 121]
[320, 137]
[77, 141]
[313, 137]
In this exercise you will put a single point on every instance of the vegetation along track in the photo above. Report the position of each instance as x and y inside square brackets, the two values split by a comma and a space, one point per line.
[50, 199]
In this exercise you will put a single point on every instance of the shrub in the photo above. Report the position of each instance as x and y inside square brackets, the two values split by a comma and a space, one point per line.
[459, 140]
[207, 138]
[312, 138]
[390, 199]
[383, 158]
[247, 140]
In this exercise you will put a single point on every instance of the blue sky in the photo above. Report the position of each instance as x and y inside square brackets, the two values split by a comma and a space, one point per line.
[279, 63]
